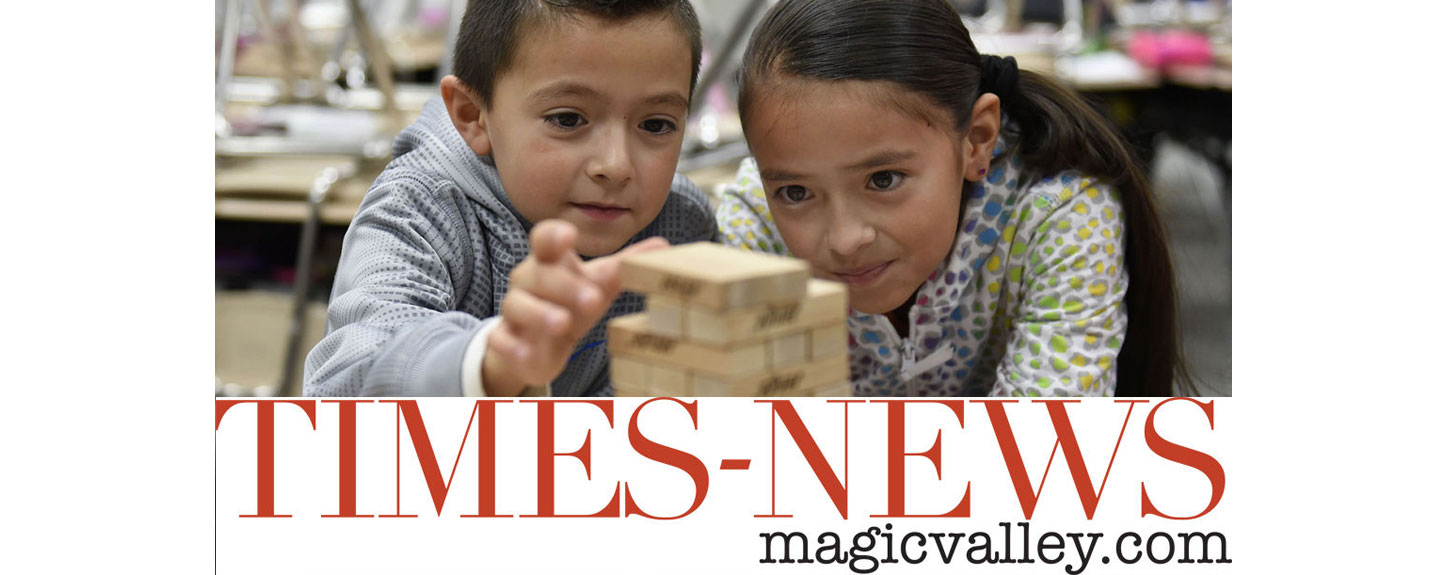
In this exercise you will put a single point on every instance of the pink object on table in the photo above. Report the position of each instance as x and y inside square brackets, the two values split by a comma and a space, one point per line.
[1173, 47]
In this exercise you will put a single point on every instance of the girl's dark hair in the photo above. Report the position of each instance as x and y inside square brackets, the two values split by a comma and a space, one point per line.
[923, 46]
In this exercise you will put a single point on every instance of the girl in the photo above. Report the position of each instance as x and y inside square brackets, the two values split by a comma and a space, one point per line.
[996, 233]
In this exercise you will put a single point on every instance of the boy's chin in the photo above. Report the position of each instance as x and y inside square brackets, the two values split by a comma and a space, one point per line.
[592, 245]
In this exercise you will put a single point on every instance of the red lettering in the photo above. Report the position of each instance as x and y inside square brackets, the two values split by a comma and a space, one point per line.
[436, 486]
[265, 443]
[669, 456]
[1175, 453]
[1028, 498]
[897, 455]
[838, 492]
[348, 456]
[546, 458]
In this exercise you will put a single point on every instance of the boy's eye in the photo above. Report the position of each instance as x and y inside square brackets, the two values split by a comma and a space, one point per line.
[793, 194]
[886, 180]
[566, 120]
[658, 126]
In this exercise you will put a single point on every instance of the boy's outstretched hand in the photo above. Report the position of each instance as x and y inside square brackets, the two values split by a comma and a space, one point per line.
[553, 300]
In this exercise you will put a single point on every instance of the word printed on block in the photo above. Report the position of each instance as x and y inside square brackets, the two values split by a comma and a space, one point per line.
[715, 276]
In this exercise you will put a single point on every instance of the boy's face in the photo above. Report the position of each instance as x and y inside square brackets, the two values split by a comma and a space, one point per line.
[587, 124]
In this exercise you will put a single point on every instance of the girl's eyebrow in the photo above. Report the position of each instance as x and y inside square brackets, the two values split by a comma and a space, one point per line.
[778, 176]
[883, 158]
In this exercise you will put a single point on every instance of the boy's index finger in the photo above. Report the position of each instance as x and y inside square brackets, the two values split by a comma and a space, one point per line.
[606, 271]
[552, 239]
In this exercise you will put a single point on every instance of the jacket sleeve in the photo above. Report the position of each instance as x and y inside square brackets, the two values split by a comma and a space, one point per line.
[1068, 324]
[393, 328]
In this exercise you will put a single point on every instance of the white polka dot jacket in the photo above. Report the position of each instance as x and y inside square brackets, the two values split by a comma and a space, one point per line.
[1028, 303]
[426, 262]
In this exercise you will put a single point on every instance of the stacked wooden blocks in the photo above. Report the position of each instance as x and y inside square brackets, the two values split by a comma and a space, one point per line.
[720, 321]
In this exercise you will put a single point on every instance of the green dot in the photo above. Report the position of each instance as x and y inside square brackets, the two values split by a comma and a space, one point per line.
[1048, 302]
[1114, 342]
[1016, 274]
[1035, 363]
[1035, 347]
[1035, 329]
[1044, 382]
[1018, 359]
[1058, 241]
[1073, 306]
[1059, 364]
[1058, 343]
[1053, 315]
[1018, 249]
[979, 321]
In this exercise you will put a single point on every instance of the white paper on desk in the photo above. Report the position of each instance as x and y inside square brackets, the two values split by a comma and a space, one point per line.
[1108, 67]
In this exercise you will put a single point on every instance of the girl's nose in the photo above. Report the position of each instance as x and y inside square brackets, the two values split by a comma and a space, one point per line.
[849, 232]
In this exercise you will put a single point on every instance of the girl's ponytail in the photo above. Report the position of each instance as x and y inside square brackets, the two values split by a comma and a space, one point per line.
[1055, 130]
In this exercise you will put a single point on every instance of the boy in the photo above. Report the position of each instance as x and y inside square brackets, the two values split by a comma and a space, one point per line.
[566, 114]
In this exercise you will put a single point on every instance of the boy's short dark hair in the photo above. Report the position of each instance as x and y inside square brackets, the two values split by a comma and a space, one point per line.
[491, 30]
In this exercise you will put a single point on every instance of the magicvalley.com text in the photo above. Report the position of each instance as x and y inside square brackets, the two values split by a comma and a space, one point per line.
[866, 551]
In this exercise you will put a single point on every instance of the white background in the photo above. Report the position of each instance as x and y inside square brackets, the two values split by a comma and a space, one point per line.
[107, 439]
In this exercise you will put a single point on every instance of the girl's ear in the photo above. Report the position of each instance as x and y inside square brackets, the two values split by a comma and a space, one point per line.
[468, 113]
[983, 133]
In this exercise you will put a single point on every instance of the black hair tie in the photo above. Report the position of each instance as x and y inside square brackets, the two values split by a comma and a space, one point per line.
[1000, 76]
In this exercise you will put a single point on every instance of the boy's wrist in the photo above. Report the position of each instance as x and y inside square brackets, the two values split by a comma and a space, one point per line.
[476, 376]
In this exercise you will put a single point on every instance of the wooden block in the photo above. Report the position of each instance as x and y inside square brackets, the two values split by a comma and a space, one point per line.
[825, 302]
[667, 315]
[716, 276]
[665, 381]
[629, 336]
[789, 350]
[801, 380]
[628, 377]
[828, 340]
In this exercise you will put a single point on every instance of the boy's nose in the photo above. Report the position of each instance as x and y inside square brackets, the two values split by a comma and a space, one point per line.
[611, 163]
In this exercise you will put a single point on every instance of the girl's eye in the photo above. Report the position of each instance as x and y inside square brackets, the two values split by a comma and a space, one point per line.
[886, 180]
[658, 126]
[566, 120]
[793, 194]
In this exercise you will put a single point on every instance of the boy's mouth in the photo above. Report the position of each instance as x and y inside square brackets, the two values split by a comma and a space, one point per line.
[862, 276]
[601, 212]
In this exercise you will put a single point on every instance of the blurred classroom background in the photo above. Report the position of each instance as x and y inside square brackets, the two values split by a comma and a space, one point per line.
[310, 93]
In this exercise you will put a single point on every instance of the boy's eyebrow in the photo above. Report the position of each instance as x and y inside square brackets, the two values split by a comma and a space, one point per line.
[672, 98]
[564, 89]
[573, 89]
[883, 159]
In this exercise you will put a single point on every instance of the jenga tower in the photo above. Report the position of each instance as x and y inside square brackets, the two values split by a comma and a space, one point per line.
[721, 321]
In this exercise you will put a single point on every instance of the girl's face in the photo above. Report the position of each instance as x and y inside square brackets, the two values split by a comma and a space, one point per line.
[860, 185]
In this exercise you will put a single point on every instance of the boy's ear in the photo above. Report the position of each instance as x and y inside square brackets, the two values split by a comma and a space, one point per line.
[468, 113]
[984, 124]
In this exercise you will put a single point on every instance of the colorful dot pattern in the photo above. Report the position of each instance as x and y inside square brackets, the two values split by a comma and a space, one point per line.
[1030, 300]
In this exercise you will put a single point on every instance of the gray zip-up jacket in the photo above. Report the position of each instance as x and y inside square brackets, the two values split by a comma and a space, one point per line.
[426, 263]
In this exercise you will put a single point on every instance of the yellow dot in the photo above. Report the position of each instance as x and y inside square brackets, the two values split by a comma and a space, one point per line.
[1081, 263]
[1098, 267]
[1098, 288]
[1076, 282]
[1107, 214]
[1105, 362]
[1092, 192]
[1009, 233]
[1081, 208]
[1084, 233]
[1065, 194]
[994, 287]
[1090, 339]
[760, 208]
[1086, 381]
[993, 264]
[1082, 323]
[1112, 270]
[1093, 223]
[1107, 233]
[1079, 360]
[1064, 226]
[749, 235]
[1092, 249]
